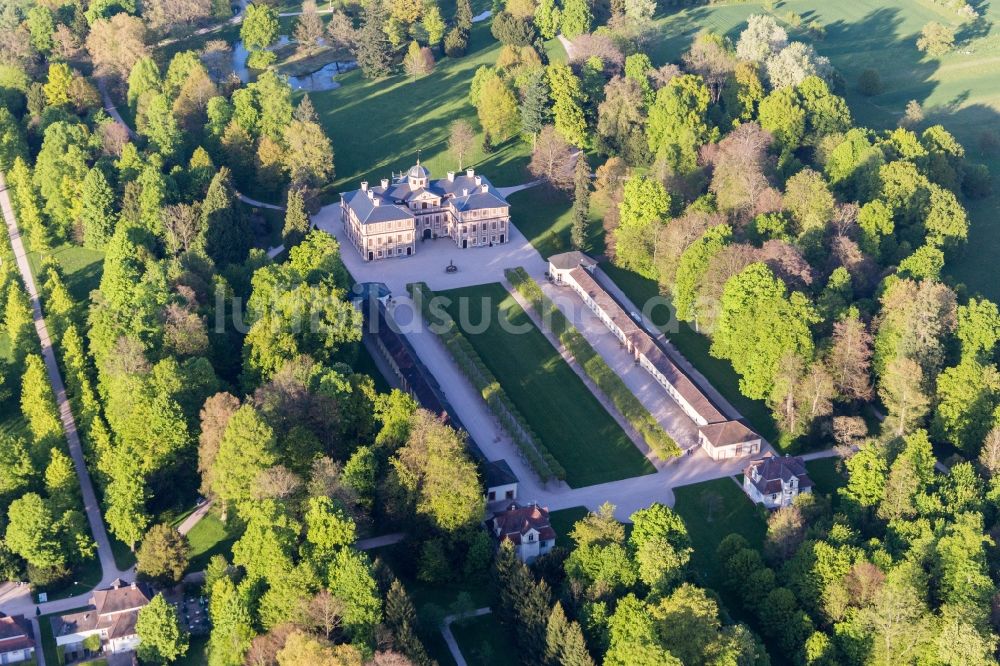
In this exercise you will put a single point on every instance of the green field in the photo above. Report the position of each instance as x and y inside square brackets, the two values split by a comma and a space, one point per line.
[210, 536]
[960, 90]
[712, 511]
[694, 347]
[378, 126]
[562, 522]
[545, 218]
[566, 416]
[485, 641]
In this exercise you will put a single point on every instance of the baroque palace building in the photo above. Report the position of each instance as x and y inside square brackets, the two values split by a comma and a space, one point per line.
[386, 221]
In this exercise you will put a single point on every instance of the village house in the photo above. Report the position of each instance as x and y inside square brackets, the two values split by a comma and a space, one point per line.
[107, 626]
[17, 644]
[718, 436]
[387, 220]
[776, 481]
[527, 527]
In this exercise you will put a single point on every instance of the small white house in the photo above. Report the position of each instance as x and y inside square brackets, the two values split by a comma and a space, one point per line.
[729, 439]
[109, 622]
[527, 527]
[16, 641]
[776, 481]
[501, 483]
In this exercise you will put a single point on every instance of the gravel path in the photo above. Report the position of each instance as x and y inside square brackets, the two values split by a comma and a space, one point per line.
[91, 506]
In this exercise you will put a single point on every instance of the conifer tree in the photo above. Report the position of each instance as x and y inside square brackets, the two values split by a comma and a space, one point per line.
[296, 219]
[581, 202]
[97, 212]
[227, 235]
[534, 105]
[555, 634]
[401, 617]
[374, 52]
[463, 15]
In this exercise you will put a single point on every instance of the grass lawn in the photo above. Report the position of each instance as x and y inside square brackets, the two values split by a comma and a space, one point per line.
[545, 218]
[562, 522]
[81, 266]
[485, 641]
[827, 478]
[712, 511]
[565, 415]
[695, 346]
[377, 126]
[210, 536]
[197, 654]
[434, 601]
[960, 90]
[124, 558]
[83, 578]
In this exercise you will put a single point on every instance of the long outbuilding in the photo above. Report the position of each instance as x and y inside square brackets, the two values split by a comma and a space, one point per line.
[720, 436]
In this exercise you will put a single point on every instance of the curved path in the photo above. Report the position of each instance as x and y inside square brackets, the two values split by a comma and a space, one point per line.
[91, 506]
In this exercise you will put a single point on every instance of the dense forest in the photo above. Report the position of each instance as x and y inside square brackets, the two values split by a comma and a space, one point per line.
[810, 250]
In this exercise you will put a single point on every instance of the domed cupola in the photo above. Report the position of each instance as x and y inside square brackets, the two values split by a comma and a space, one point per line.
[417, 176]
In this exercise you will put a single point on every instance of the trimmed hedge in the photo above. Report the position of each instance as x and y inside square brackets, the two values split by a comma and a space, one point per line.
[597, 369]
[500, 404]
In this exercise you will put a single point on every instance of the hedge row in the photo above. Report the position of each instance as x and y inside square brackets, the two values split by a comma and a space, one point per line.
[500, 404]
[597, 369]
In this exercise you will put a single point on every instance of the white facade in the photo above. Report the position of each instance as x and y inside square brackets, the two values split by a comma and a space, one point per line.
[16, 656]
[429, 209]
[532, 546]
[789, 491]
[502, 493]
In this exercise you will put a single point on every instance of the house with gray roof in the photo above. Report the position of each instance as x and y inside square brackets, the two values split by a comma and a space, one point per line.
[386, 220]
[107, 625]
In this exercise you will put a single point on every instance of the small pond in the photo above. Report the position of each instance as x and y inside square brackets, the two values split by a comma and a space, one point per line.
[321, 79]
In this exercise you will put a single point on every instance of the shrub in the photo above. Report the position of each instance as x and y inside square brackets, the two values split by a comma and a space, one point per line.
[870, 83]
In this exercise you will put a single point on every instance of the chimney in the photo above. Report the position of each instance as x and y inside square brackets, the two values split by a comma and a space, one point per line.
[371, 195]
[470, 172]
[465, 192]
[375, 201]
[479, 180]
[364, 186]
[385, 183]
[485, 188]
[451, 176]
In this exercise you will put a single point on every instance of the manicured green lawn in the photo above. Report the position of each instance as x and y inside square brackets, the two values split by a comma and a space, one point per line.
[960, 90]
[210, 536]
[545, 217]
[712, 511]
[485, 641]
[569, 420]
[81, 266]
[378, 126]
[562, 522]
[827, 478]
[694, 347]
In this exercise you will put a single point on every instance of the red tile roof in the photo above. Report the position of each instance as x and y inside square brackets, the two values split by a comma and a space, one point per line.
[15, 633]
[517, 521]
